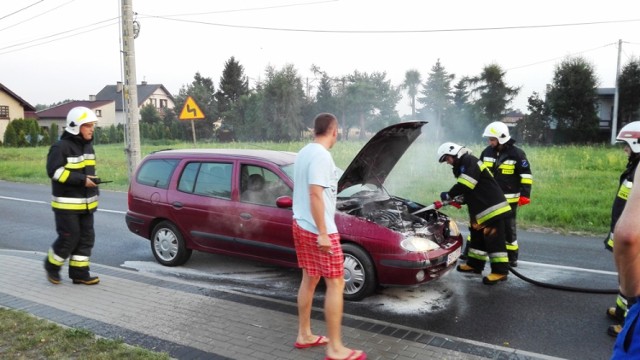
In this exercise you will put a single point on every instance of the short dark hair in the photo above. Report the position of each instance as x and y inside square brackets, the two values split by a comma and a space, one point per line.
[322, 123]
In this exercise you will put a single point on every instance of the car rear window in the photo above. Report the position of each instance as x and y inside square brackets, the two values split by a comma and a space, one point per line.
[157, 172]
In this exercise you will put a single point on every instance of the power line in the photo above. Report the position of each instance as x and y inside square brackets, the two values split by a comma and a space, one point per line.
[560, 57]
[35, 16]
[392, 31]
[58, 36]
[17, 11]
[254, 8]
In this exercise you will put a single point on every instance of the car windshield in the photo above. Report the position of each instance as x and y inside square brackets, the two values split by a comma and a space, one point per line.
[288, 169]
[358, 190]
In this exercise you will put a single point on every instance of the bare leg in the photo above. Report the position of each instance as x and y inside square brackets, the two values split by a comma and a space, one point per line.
[333, 307]
[305, 300]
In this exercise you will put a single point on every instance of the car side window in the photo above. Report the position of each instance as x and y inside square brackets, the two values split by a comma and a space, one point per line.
[261, 186]
[211, 179]
[188, 177]
[157, 172]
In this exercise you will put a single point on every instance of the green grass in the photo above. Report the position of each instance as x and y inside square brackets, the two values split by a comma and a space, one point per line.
[27, 337]
[573, 188]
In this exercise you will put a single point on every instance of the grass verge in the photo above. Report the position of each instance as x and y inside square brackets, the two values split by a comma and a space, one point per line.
[27, 337]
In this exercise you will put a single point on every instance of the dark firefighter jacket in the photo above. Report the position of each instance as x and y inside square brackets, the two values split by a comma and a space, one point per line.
[626, 182]
[69, 162]
[480, 190]
[511, 169]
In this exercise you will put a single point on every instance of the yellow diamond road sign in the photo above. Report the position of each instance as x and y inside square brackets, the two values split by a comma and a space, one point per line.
[190, 110]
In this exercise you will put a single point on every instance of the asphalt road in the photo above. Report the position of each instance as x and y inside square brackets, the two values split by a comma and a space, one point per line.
[516, 313]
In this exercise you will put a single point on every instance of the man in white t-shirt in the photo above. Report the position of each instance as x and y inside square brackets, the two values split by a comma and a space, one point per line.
[317, 240]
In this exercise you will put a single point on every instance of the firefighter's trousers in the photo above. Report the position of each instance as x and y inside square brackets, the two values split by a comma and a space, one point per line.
[76, 238]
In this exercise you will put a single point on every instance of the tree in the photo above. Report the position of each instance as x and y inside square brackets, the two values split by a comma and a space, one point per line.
[629, 92]
[573, 99]
[150, 115]
[412, 79]
[534, 127]
[493, 96]
[283, 100]
[53, 133]
[202, 91]
[436, 99]
[370, 102]
[460, 116]
[233, 84]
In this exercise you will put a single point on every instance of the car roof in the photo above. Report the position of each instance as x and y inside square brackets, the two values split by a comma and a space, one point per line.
[279, 158]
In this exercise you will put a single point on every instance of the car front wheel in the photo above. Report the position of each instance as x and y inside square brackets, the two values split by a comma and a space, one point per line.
[168, 246]
[359, 274]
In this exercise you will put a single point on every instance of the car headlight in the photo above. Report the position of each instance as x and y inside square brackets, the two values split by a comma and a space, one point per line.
[418, 244]
[453, 228]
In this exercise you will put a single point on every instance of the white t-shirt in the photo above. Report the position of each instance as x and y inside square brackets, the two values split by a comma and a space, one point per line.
[314, 166]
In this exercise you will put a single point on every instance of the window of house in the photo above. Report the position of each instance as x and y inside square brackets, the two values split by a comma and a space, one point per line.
[4, 112]
[163, 103]
[153, 102]
[98, 113]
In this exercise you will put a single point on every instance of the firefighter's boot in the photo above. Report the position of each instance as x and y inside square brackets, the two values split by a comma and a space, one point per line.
[494, 278]
[616, 313]
[81, 275]
[614, 330]
[53, 272]
[79, 270]
[464, 268]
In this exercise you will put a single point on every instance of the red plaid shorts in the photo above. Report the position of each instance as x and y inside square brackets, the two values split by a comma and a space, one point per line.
[312, 259]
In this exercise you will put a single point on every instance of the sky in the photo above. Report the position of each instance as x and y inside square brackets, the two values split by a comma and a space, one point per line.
[70, 49]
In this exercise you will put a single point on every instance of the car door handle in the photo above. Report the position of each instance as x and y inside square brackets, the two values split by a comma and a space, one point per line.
[177, 205]
[246, 216]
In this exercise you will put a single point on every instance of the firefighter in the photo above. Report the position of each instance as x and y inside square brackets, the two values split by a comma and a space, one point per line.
[630, 135]
[71, 165]
[512, 171]
[488, 209]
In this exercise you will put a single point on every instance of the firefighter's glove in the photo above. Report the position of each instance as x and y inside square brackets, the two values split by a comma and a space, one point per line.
[455, 204]
[522, 201]
[444, 196]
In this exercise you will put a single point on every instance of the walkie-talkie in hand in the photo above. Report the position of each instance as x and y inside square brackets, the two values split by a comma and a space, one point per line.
[98, 181]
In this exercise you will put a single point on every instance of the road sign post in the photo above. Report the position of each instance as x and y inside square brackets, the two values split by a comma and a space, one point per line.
[191, 111]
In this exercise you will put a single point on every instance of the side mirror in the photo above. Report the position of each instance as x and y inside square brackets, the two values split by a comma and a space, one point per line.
[284, 202]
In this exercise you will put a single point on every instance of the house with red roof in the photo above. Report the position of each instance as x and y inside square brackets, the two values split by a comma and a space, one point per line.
[13, 107]
[104, 110]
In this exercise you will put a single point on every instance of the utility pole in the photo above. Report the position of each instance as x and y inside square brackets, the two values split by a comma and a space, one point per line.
[130, 101]
[616, 96]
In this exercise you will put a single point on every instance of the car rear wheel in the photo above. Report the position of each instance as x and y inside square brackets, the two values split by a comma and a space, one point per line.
[168, 246]
[359, 273]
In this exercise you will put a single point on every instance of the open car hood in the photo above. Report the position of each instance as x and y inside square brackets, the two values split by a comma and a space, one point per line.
[380, 155]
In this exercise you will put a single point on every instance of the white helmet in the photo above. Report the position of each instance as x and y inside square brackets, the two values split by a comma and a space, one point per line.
[448, 148]
[498, 130]
[630, 134]
[78, 116]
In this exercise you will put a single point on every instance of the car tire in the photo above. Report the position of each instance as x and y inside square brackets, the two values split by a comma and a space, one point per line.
[359, 273]
[168, 246]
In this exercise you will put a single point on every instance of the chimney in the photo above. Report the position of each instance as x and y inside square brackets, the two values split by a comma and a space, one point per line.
[92, 98]
[144, 82]
[119, 86]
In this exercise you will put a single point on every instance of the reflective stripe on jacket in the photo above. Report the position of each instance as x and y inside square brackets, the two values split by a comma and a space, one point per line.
[69, 162]
[511, 170]
[481, 192]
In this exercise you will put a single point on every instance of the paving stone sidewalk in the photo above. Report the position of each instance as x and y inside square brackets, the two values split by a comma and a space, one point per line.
[192, 322]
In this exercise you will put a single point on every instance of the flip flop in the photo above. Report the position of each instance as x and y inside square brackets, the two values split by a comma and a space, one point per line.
[321, 340]
[363, 356]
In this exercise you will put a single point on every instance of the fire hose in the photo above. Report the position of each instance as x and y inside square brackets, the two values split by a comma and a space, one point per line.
[457, 203]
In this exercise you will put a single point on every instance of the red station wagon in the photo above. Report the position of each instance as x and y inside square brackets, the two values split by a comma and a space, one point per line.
[238, 202]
